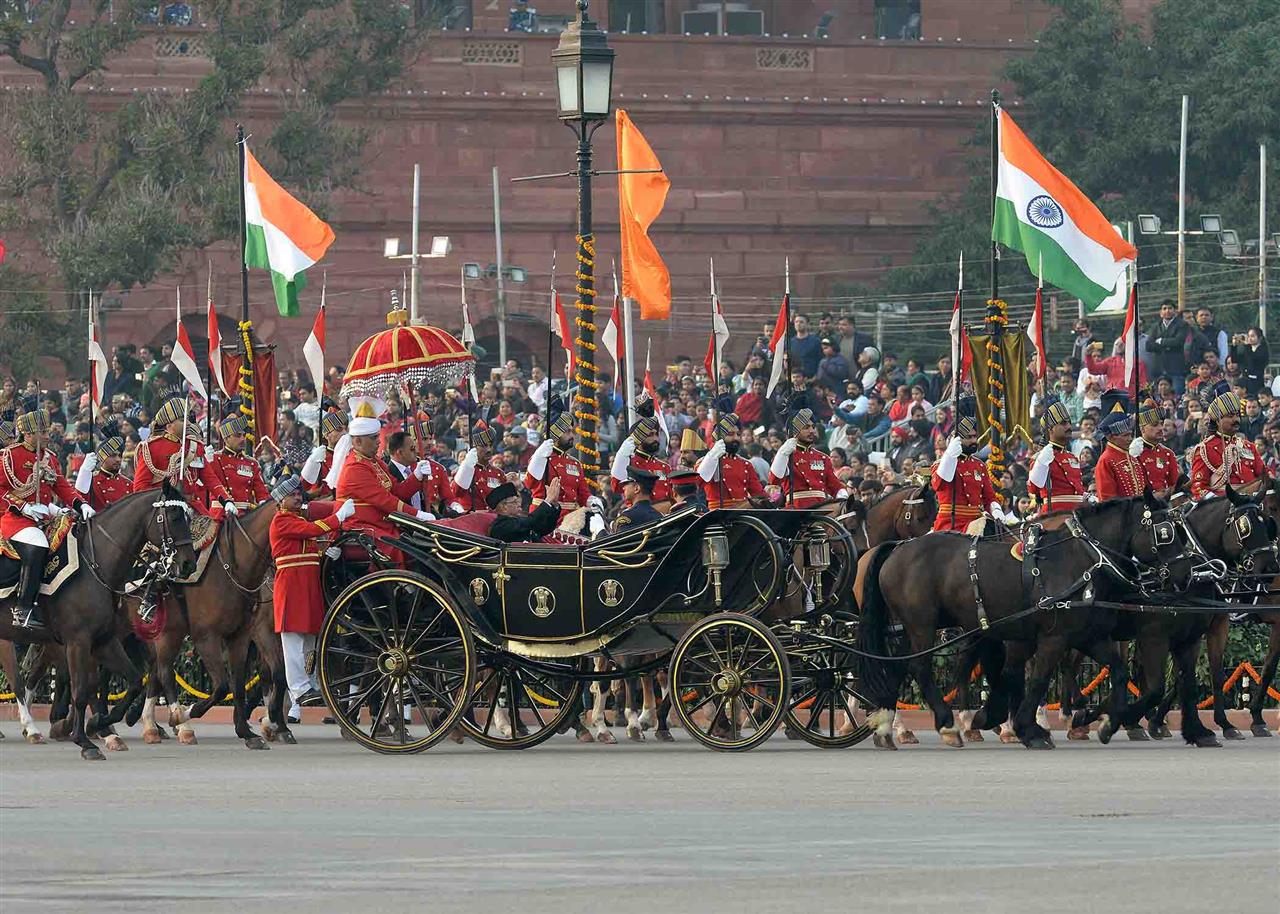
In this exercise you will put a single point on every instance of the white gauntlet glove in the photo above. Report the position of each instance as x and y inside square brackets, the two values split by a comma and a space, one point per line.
[1040, 468]
[781, 465]
[998, 513]
[622, 459]
[466, 469]
[594, 502]
[35, 512]
[425, 515]
[84, 478]
[422, 469]
[345, 510]
[596, 525]
[333, 552]
[538, 462]
[230, 508]
[947, 465]
[1136, 447]
[311, 469]
[709, 465]
[86, 510]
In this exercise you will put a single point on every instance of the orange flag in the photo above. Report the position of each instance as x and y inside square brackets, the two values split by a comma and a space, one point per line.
[640, 199]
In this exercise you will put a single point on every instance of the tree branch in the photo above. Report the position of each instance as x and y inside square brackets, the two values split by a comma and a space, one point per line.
[124, 152]
[41, 65]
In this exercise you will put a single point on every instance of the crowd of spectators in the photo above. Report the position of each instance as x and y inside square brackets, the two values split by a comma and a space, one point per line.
[884, 420]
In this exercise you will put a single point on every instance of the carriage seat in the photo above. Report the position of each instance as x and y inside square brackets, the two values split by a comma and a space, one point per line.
[477, 522]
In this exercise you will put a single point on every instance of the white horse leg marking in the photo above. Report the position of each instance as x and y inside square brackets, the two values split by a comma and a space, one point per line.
[150, 730]
[30, 732]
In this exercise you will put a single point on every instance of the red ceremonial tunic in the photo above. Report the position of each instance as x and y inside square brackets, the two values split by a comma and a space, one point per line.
[107, 488]
[815, 479]
[661, 488]
[969, 489]
[574, 490]
[1117, 475]
[159, 457]
[1219, 460]
[738, 479]
[1161, 466]
[1064, 489]
[21, 484]
[484, 481]
[437, 490]
[319, 490]
[242, 476]
[366, 481]
[297, 595]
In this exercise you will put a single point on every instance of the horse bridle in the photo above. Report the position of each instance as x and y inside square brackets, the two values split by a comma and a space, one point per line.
[226, 567]
[1238, 523]
[164, 564]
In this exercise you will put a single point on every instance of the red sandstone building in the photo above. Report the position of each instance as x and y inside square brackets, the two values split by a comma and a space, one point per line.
[816, 129]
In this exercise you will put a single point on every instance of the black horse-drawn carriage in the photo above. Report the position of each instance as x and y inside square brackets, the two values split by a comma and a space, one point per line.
[499, 639]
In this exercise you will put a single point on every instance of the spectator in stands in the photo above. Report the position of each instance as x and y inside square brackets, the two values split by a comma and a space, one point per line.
[1168, 341]
[1083, 340]
[890, 371]
[803, 348]
[1112, 367]
[833, 369]
[875, 421]
[120, 380]
[1253, 421]
[1251, 351]
[901, 405]
[851, 340]
[1215, 336]
[940, 383]
[915, 375]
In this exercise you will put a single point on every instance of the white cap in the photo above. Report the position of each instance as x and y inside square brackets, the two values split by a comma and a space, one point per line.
[364, 426]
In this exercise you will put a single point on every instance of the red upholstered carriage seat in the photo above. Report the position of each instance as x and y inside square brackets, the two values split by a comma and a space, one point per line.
[477, 522]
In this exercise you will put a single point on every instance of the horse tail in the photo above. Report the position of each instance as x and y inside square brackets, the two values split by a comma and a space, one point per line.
[879, 679]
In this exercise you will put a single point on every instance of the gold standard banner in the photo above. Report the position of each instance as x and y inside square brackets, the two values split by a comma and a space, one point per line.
[1016, 393]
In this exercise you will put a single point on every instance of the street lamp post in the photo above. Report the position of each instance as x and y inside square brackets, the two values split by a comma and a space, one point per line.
[584, 82]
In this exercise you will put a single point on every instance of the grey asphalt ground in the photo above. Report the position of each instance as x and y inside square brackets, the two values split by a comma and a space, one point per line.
[326, 826]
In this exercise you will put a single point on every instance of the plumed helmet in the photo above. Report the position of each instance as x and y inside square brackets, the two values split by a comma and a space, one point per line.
[231, 426]
[801, 420]
[333, 422]
[725, 425]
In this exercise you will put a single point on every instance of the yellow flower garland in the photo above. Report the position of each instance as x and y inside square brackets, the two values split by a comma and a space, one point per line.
[997, 319]
[245, 385]
[585, 369]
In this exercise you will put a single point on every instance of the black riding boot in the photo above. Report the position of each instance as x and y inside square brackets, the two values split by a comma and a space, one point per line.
[26, 614]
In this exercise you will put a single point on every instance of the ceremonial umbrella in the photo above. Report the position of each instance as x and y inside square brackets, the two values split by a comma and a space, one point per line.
[404, 356]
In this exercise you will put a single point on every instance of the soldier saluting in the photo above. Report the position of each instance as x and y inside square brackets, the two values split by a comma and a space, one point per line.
[728, 480]
[805, 474]
[1158, 462]
[962, 482]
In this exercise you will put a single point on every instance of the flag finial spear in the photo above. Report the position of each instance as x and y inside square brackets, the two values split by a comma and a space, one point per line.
[614, 264]
[712, 261]
[786, 266]
[960, 281]
[462, 278]
[210, 292]
[324, 286]
[1040, 273]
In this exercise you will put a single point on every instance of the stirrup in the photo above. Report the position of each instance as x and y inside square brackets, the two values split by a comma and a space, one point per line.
[25, 617]
[146, 610]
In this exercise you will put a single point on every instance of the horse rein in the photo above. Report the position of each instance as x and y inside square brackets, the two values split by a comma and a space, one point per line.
[226, 567]
[163, 564]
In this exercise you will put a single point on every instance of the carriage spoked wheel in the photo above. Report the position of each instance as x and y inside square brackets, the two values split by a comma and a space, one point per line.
[517, 706]
[397, 662]
[336, 575]
[730, 682]
[826, 709]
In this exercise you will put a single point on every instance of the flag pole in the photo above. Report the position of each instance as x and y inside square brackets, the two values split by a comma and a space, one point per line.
[318, 383]
[208, 367]
[93, 381]
[247, 366]
[995, 164]
[628, 348]
[995, 317]
[715, 343]
[244, 229]
[473, 394]
[786, 336]
[551, 343]
[624, 363]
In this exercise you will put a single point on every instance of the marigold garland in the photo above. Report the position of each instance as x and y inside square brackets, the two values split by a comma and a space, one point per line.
[997, 318]
[245, 385]
[585, 369]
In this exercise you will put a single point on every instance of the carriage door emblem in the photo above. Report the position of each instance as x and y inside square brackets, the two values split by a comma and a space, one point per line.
[610, 592]
[542, 602]
[480, 590]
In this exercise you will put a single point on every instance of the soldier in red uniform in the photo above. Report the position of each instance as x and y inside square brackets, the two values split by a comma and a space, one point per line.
[728, 480]
[1225, 457]
[296, 593]
[318, 468]
[551, 460]
[475, 478]
[1117, 473]
[1158, 462]
[1055, 481]
[30, 479]
[962, 482]
[99, 478]
[159, 458]
[798, 467]
[240, 473]
[640, 450]
[438, 496]
[7, 434]
[365, 480]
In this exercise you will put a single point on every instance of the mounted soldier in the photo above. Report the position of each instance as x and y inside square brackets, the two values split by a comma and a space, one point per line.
[30, 478]
[962, 482]
[1158, 462]
[1225, 457]
[239, 472]
[640, 450]
[1118, 474]
[99, 479]
[728, 479]
[475, 478]
[550, 461]
[805, 474]
[319, 463]
[160, 457]
[1055, 481]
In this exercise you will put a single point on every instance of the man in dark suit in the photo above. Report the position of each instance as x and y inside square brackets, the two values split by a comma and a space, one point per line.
[638, 491]
[512, 525]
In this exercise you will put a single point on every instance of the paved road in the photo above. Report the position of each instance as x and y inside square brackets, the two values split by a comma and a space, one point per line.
[326, 826]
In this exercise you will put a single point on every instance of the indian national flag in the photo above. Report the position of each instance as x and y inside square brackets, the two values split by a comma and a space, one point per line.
[1042, 214]
[282, 235]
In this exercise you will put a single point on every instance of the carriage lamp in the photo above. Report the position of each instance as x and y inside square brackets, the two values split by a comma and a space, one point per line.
[817, 559]
[715, 556]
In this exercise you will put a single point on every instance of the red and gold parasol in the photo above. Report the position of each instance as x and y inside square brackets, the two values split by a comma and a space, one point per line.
[404, 356]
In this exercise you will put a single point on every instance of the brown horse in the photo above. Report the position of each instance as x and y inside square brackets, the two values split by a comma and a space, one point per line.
[902, 514]
[218, 612]
[21, 695]
[82, 612]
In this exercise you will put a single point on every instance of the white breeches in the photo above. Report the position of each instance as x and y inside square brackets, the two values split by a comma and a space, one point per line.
[32, 536]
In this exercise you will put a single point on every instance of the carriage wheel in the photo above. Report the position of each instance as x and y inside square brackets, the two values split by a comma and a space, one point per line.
[394, 646]
[730, 682]
[826, 708]
[517, 706]
[336, 575]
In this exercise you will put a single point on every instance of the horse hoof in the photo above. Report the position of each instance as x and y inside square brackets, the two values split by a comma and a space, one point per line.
[60, 731]
[907, 738]
[790, 733]
[270, 735]
[1232, 733]
[1160, 732]
[455, 736]
[883, 742]
[163, 736]
[1208, 741]
[1039, 742]
[1008, 736]
[1137, 735]
[115, 744]
[92, 754]
[36, 738]
[287, 737]
[256, 742]
[664, 736]
[1105, 732]
[152, 737]
[635, 734]
[187, 737]
[974, 736]
[584, 736]
[604, 736]
[1260, 730]
[951, 738]
[1078, 733]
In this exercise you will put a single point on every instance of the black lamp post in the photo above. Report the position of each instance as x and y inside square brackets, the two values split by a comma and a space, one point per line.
[584, 84]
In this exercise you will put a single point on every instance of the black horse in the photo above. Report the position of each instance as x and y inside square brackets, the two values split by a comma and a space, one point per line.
[1055, 597]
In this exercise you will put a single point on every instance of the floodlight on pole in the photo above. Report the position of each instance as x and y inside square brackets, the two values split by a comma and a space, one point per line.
[1211, 224]
[1149, 224]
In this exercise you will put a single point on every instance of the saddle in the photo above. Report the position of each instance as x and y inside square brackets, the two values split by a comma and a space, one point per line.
[61, 563]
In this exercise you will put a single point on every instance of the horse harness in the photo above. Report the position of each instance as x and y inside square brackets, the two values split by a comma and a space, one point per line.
[159, 562]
